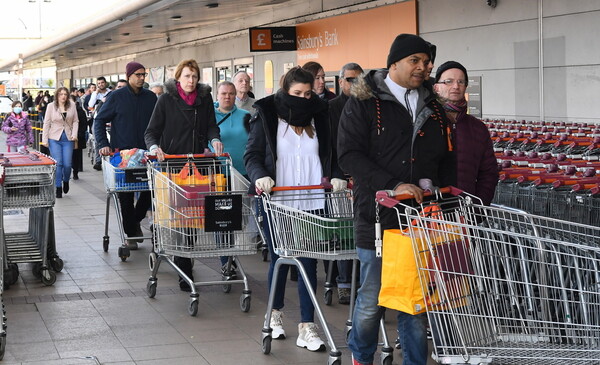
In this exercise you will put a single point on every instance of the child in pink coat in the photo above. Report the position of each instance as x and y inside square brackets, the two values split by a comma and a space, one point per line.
[18, 128]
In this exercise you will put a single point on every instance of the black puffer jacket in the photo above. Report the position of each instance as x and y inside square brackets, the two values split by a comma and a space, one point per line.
[380, 153]
[261, 151]
[180, 128]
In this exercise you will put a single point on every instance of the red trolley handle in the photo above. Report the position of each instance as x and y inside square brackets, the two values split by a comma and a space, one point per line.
[389, 199]
[189, 155]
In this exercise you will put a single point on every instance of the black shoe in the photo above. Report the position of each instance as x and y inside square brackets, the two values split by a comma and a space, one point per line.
[59, 192]
[65, 187]
[75, 175]
[98, 166]
[230, 274]
[139, 233]
[184, 286]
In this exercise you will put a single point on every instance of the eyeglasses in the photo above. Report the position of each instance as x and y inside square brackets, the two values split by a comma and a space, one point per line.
[141, 74]
[350, 79]
[449, 82]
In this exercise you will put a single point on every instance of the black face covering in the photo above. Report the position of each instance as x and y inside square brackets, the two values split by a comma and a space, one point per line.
[297, 111]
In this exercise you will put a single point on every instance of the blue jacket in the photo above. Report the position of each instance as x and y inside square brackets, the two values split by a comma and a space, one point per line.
[129, 115]
[234, 134]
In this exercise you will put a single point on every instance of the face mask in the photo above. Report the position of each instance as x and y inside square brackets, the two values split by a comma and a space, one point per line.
[17, 110]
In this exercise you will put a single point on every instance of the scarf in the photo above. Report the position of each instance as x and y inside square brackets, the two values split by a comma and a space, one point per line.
[188, 99]
[459, 107]
[297, 111]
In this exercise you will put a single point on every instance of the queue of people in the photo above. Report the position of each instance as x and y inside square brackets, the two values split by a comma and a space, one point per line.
[389, 129]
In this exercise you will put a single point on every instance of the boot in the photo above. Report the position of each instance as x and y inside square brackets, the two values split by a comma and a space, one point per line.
[59, 192]
[75, 175]
[65, 187]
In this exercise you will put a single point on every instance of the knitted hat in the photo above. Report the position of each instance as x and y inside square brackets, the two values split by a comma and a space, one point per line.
[450, 65]
[405, 45]
[133, 67]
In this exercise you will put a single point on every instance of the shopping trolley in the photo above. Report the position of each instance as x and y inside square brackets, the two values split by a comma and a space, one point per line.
[2, 269]
[201, 209]
[121, 180]
[504, 286]
[308, 221]
[29, 184]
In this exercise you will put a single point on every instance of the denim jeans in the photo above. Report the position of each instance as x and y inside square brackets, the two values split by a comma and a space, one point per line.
[307, 308]
[364, 335]
[344, 278]
[62, 152]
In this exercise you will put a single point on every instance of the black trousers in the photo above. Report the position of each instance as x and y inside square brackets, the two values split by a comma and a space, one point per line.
[133, 212]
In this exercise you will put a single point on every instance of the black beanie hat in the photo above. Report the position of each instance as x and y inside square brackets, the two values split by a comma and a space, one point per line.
[404, 45]
[449, 65]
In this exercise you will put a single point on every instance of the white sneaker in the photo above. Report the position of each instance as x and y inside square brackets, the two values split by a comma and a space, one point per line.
[308, 337]
[277, 324]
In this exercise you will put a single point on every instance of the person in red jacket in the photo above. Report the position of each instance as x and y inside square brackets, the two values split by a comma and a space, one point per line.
[477, 169]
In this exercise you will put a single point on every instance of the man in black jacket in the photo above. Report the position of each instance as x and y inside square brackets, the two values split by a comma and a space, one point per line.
[128, 110]
[392, 135]
[348, 74]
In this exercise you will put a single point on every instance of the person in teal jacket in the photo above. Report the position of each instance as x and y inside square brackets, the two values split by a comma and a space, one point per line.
[234, 125]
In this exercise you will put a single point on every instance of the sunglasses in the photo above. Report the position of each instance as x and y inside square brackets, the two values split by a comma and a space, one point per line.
[350, 79]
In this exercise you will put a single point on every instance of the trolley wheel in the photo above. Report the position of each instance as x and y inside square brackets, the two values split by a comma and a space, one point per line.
[11, 275]
[193, 307]
[57, 264]
[123, 253]
[152, 257]
[226, 288]
[48, 277]
[387, 358]
[328, 296]
[151, 289]
[245, 302]
[337, 362]
[37, 270]
[105, 242]
[265, 254]
[266, 345]
[2, 345]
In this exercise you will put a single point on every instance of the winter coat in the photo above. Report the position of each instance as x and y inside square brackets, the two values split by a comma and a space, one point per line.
[54, 124]
[82, 116]
[23, 135]
[261, 151]
[177, 127]
[477, 169]
[129, 114]
[381, 153]
[336, 105]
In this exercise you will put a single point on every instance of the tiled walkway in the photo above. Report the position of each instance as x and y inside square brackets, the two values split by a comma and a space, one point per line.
[98, 312]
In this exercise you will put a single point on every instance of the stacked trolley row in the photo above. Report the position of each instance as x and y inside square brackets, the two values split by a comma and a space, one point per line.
[549, 169]
[2, 259]
[201, 210]
[121, 180]
[310, 222]
[29, 184]
[504, 286]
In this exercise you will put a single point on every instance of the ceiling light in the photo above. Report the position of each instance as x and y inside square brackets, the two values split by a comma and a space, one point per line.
[148, 26]
[80, 49]
[212, 5]
[125, 34]
[176, 17]
[108, 40]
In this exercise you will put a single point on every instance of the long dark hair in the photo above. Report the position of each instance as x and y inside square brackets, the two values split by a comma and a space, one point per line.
[297, 75]
[67, 102]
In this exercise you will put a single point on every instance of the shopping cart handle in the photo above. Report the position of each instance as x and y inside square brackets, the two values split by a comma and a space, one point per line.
[302, 187]
[389, 199]
[151, 156]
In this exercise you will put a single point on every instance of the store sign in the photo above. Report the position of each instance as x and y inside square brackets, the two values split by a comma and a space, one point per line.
[473, 96]
[272, 39]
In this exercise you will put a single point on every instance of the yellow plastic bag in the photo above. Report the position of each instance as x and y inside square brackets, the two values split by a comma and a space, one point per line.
[400, 283]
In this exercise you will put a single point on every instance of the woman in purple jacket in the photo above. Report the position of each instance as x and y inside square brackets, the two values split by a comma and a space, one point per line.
[477, 169]
[18, 128]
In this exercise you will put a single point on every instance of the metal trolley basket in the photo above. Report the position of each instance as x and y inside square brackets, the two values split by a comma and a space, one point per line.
[121, 180]
[503, 286]
[2, 269]
[201, 209]
[307, 221]
[29, 184]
